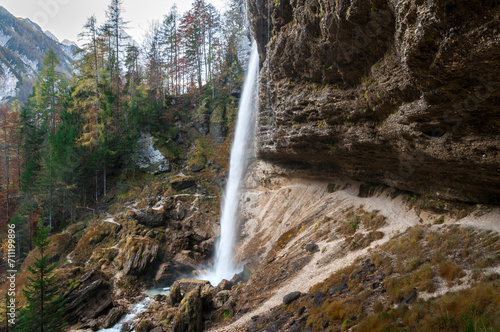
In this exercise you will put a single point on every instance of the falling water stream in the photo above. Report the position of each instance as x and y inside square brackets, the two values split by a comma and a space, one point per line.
[243, 137]
[223, 267]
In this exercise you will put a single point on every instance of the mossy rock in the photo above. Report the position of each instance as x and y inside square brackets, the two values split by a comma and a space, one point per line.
[190, 314]
[181, 183]
[144, 326]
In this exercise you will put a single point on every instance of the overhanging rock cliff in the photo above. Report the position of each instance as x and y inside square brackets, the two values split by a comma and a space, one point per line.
[402, 93]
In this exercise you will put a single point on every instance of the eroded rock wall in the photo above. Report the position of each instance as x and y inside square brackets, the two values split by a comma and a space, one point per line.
[403, 93]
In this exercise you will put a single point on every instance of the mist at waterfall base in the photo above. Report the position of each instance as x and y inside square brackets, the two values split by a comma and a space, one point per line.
[224, 267]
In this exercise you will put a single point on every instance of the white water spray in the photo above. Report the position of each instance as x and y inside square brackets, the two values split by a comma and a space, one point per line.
[224, 267]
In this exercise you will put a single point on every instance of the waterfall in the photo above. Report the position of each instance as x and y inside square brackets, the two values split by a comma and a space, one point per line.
[224, 267]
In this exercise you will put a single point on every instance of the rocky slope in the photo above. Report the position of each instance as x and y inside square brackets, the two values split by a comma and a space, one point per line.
[325, 252]
[402, 93]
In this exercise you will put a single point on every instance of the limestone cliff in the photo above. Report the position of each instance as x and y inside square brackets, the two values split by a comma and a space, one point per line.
[402, 93]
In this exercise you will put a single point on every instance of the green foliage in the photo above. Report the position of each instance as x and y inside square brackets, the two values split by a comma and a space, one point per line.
[45, 305]
[203, 152]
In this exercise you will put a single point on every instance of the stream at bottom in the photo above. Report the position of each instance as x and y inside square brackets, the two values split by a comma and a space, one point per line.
[136, 309]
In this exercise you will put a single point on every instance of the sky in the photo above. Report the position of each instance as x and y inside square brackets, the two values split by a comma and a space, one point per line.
[65, 18]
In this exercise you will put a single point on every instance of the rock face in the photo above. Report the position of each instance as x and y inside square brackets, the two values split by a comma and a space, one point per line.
[90, 299]
[138, 254]
[403, 93]
[113, 317]
[190, 314]
[150, 218]
[149, 159]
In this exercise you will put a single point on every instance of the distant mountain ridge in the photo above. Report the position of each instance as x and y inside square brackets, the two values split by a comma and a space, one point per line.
[23, 45]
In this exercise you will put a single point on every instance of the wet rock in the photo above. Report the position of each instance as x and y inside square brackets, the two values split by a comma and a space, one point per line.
[190, 314]
[169, 272]
[160, 298]
[221, 181]
[207, 246]
[175, 296]
[181, 183]
[225, 285]
[236, 279]
[92, 324]
[113, 317]
[144, 326]
[221, 298]
[187, 285]
[289, 298]
[207, 297]
[230, 306]
[185, 257]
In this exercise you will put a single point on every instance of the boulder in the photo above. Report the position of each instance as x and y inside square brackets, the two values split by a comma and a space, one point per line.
[101, 256]
[144, 326]
[197, 168]
[187, 285]
[337, 288]
[221, 298]
[157, 329]
[289, 298]
[312, 247]
[181, 183]
[185, 257]
[178, 213]
[151, 219]
[207, 246]
[175, 296]
[190, 314]
[88, 300]
[243, 276]
[225, 285]
[113, 317]
[137, 254]
[170, 272]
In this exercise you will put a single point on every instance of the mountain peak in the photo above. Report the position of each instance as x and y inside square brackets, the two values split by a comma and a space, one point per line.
[51, 36]
[24, 44]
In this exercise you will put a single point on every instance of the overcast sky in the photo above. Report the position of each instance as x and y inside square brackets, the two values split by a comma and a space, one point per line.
[65, 18]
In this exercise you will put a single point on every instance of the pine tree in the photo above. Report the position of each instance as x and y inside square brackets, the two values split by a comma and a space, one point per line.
[171, 50]
[154, 65]
[45, 305]
[117, 25]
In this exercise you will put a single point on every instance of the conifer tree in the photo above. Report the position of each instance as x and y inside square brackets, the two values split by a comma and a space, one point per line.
[45, 305]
